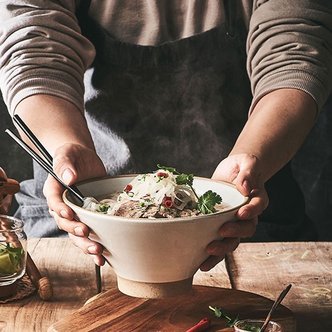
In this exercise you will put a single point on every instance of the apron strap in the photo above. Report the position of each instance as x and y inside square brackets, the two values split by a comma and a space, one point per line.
[82, 15]
[230, 17]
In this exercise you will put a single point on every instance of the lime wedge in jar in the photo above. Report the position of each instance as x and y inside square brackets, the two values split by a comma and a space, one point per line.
[7, 266]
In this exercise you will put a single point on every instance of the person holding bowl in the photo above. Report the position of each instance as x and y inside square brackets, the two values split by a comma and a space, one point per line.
[120, 86]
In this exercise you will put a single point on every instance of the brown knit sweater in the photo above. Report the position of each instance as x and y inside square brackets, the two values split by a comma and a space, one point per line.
[42, 49]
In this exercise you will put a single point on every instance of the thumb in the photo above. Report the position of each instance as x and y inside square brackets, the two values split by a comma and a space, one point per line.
[68, 176]
[243, 184]
[65, 169]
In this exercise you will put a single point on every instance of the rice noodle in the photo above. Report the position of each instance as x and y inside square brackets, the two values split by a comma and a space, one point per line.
[151, 195]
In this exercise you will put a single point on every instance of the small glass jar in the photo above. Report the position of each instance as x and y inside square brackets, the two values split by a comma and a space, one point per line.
[252, 325]
[13, 250]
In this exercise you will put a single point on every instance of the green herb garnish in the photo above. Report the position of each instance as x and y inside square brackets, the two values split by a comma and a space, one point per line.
[206, 202]
[103, 208]
[218, 312]
[187, 179]
[230, 322]
[169, 169]
[181, 178]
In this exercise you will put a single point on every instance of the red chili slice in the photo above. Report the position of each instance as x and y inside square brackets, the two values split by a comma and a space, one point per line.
[162, 174]
[128, 188]
[167, 202]
[202, 325]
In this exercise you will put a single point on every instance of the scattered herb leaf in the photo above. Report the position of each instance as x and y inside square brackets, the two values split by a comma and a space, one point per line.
[218, 312]
[230, 322]
[187, 179]
[103, 208]
[169, 169]
[207, 202]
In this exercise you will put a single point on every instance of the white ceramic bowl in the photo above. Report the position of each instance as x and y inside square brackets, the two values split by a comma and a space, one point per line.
[155, 257]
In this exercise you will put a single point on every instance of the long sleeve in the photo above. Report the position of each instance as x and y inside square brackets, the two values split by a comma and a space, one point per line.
[42, 51]
[290, 46]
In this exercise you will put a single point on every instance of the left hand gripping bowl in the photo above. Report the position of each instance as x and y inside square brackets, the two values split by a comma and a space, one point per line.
[154, 258]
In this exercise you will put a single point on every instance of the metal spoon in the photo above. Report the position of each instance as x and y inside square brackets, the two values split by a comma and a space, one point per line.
[274, 307]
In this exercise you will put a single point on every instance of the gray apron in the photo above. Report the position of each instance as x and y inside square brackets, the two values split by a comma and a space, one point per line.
[181, 104]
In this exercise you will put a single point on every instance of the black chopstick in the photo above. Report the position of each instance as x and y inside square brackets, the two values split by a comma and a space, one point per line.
[33, 138]
[47, 167]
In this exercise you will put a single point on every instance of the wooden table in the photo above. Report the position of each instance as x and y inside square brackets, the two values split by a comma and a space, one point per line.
[262, 268]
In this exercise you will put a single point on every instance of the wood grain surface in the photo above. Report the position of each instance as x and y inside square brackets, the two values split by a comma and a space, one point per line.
[267, 268]
[113, 311]
[261, 268]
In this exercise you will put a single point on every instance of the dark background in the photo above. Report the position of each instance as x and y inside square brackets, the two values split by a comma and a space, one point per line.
[12, 158]
[312, 167]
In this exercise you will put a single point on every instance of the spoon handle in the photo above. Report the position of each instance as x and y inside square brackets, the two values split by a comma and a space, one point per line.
[274, 306]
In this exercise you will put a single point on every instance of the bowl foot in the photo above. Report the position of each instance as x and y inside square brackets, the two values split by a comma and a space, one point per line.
[154, 290]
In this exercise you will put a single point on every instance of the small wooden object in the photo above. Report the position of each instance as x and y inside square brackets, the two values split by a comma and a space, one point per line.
[42, 284]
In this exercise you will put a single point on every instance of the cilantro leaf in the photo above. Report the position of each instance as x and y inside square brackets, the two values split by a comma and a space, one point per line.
[207, 201]
[103, 207]
[181, 178]
[218, 312]
[166, 168]
[185, 179]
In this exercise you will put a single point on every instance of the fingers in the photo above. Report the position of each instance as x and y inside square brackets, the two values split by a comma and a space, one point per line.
[218, 250]
[73, 162]
[78, 233]
[231, 232]
[258, 202]
[53, 193]
[210, 263]
[89, 247]
[239, 229]
[240, 169]
[67, 223]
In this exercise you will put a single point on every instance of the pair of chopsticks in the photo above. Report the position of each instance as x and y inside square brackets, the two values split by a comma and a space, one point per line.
[47, 164]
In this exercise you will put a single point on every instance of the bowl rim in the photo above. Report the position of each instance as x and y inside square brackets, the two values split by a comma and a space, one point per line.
[151, 220]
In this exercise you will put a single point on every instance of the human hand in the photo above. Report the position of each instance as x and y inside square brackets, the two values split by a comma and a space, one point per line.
[72, 163]
[8, 187]
[242, 170]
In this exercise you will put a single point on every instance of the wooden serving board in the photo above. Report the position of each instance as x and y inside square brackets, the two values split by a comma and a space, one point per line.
[114, 311]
